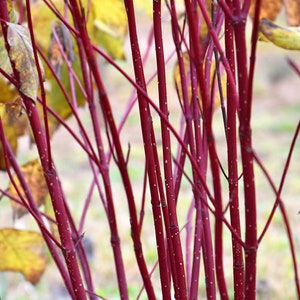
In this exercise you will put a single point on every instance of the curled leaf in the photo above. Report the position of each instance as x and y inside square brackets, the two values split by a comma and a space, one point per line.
[284, 37]
[21, 54]
[61, 40]
[22, 251]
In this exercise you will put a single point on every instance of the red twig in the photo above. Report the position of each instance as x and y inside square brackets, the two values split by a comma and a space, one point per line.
[175, 248]
[231, 133]
[149, 148]
[51, 177]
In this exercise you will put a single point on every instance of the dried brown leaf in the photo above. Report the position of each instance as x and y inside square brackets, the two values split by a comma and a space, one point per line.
[269, 9]
[292, 9]
[14, 123]
[61, 41]
[35, 179]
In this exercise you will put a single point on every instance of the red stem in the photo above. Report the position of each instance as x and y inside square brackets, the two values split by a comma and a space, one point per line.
[41, 80]
[56, 194]
[173, 235]
[214, 164]
[106, 108]
[33, 210]
[294, 65]
[86, 52]
[198, 154]
[149, 148]
[51, 177]
[279, 202]
[245, 103]
[231, 133]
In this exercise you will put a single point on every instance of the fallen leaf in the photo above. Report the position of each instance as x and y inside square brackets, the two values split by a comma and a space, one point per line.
[34, 176]
[22, 251]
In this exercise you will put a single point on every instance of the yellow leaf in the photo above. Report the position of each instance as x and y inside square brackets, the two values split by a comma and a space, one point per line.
[22, 251]
[44, 20]
[35, 179]
[146, 6]
[107, 25]
[14, 123]
[21, 53]
[8, 91]
[5, 64]
[13, 15]
[269, 10]
[284, 37]
[55, 97]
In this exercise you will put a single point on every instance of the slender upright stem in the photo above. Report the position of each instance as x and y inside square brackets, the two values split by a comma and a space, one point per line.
[149, 148]
[106, 108]
[51, 177]
[176, 257]
[245, 134]
[231, 132]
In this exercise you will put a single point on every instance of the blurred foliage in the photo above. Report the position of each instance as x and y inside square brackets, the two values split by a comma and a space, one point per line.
[287, 37]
